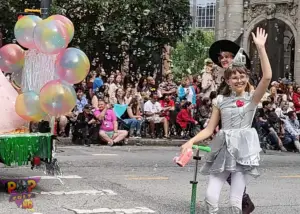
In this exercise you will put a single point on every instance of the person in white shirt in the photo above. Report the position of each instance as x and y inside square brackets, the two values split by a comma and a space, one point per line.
[153, 111]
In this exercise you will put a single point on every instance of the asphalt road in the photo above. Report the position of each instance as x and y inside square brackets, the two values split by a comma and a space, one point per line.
[143, 179]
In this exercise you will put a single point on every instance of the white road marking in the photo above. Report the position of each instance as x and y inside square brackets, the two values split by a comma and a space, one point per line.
[61, 177]
[86, 192]
[105, 154]
[44, 177]
[108, 210]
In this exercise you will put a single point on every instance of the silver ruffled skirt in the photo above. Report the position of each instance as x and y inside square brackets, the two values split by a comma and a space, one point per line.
[233, 150]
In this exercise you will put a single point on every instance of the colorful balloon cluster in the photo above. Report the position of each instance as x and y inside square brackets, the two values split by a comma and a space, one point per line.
[52, 37]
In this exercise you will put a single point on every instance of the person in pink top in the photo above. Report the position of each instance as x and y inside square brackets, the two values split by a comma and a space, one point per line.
[109, 125]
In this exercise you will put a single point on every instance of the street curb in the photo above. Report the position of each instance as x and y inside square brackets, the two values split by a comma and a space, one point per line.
[133, 142]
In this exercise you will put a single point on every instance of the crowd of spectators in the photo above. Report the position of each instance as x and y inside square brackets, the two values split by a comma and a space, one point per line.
[115, 107]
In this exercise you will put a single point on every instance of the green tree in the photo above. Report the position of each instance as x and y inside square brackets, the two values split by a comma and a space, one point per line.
[8, 16]
[189, 54]
[102, 26]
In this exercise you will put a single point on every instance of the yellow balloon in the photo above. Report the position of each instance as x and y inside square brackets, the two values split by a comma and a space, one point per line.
[28, 107]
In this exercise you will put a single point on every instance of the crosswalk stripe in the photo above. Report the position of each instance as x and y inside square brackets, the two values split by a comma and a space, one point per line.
[86, 192]
[108, 210]
[105, 154]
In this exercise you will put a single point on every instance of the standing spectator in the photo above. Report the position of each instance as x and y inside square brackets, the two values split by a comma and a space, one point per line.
[153, 112]
[128, 95]
[90, 83]
[186, 91]
[142, 88]
[152, 87]
[118, 81]
[208, 82]
[112, 87]
[98, 82]
[168, 87]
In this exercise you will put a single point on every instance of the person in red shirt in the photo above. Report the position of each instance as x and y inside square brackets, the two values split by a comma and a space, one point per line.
[167, 105]
[184, 117]
[296, 101]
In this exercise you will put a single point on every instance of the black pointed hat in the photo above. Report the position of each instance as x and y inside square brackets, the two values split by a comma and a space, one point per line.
[225, 46]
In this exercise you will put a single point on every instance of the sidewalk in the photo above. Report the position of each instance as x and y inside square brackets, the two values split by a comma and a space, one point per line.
[135, 142]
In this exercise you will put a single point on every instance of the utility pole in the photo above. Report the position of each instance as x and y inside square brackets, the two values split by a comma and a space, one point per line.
[45, 8]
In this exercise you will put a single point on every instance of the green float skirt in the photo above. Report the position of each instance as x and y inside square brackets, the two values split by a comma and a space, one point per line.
[19, 149]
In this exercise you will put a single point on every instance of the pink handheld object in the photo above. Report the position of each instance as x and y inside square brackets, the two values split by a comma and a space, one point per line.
[183, 159]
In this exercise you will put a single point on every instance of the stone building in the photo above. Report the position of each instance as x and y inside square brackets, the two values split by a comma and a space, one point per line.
[236, 19]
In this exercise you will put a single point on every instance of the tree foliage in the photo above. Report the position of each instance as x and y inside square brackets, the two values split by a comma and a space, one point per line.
[8, 16]
[102, 26]
[189, 54]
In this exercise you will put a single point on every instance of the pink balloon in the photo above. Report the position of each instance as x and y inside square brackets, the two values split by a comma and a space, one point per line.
[50, 36]
[10, 120]
[72, 65]
[68, 25]
[12, 58]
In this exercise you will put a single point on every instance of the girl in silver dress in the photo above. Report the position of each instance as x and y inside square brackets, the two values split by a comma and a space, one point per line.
[235, 149]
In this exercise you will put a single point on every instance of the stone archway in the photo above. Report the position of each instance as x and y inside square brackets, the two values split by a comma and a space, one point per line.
[260, 18]
[280, 48]
[280, 45]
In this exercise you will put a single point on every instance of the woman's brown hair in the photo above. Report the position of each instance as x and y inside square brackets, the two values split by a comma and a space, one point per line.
[229, 72]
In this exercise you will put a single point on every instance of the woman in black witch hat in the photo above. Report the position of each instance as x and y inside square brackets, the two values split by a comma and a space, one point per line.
[235, 148]
[222, 53]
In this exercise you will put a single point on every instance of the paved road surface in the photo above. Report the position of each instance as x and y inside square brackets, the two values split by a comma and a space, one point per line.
[119, 180]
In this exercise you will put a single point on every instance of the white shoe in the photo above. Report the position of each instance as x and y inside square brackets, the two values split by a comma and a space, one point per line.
[297, 145]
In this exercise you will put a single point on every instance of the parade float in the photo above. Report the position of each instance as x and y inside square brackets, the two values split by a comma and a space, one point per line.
[48, 70]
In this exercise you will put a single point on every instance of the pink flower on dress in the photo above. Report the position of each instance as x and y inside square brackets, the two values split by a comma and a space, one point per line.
[240, 103]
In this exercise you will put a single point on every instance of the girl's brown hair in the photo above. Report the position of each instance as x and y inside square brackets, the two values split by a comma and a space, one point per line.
[229, 72]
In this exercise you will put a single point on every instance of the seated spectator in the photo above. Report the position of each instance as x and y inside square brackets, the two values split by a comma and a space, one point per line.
[109, 126]
[205, 111]
[153, 112]
[133, 118]
[119, 97]
[268, 123]
[283, 109]
[296, 101]
[168, 106]
[84, 126]
[81, 101]
[184, 117]
[64, 120]
[292, 128]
